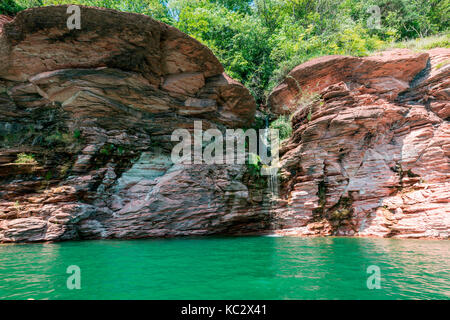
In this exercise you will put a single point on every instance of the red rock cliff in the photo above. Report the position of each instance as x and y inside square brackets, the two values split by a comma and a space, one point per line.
[370, 156]
[95, 108]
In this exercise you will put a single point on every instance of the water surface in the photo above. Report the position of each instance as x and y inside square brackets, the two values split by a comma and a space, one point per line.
[228, 268]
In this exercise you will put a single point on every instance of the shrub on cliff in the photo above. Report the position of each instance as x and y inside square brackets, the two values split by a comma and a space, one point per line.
[283, 125]
[23, 158]
[11, 7]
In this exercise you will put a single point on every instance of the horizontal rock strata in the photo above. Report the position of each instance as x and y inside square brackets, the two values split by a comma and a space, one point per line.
[95, 108]
[369, 155]
[86, 118]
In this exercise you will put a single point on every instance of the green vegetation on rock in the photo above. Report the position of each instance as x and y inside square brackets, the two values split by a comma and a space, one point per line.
[24, 158]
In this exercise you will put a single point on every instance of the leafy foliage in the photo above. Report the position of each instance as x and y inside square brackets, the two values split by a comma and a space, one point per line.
[254, 165]
[60, 138]
[154, 8]
[23, 158]
[11, 7]
[283, 125]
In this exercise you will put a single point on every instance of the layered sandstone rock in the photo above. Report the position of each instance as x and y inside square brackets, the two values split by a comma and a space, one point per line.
[387, 73]
[369, 155]
[95, 108]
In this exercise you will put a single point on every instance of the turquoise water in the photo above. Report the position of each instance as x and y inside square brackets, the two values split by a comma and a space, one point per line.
[228, 268]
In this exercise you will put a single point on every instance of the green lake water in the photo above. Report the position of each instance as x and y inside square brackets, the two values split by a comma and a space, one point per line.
[228, 268]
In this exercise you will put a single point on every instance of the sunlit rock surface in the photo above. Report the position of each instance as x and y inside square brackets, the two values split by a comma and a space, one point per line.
[370, 157]
[96, 108]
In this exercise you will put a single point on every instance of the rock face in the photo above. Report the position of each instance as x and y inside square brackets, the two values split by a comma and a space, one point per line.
[86, 118]
[369, 155]
[387, 74]
[95, 108]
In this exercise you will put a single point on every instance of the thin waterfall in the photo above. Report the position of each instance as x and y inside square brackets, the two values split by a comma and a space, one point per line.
[272, 179]
[273, 185]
